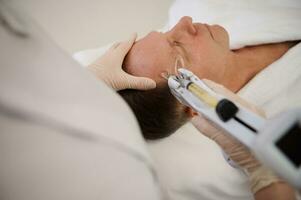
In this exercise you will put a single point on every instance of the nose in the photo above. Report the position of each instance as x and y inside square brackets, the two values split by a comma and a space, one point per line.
[186, 24]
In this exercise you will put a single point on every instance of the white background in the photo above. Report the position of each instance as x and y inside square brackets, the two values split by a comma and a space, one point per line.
[82, 24]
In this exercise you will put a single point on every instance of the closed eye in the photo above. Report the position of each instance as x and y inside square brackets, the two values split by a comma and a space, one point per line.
[176, 43]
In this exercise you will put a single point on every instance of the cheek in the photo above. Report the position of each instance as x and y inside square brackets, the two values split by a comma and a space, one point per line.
[206, 60]
[199, 53]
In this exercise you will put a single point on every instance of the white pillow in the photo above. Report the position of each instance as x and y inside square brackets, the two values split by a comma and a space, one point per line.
[87, 56]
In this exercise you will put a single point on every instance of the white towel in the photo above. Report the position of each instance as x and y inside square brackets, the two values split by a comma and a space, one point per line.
[248, 22]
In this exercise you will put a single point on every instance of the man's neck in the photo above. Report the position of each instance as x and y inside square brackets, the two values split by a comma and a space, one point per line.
[245, 63]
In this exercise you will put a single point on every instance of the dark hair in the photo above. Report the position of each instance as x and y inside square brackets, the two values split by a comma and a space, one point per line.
[158, 112]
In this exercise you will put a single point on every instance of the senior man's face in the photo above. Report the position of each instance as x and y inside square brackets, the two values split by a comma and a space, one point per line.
[204, 48]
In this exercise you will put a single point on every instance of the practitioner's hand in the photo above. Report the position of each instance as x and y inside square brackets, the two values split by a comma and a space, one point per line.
[259, 176]
[109, 69]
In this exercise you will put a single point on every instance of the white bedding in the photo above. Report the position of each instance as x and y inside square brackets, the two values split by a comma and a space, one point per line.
[248, 22]
[191, 166]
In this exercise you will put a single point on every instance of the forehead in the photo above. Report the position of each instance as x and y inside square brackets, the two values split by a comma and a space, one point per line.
[150, 56]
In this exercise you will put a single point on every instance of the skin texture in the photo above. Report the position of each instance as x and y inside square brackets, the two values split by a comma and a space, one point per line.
[205, 51]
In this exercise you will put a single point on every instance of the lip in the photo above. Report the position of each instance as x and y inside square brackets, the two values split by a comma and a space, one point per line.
[209, 30]
[207, 27]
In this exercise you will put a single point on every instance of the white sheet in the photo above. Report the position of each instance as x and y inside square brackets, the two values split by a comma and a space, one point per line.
[248, 22]
[191, 166]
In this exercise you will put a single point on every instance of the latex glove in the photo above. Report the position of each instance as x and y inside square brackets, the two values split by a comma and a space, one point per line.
[109, 68]
[259, 176]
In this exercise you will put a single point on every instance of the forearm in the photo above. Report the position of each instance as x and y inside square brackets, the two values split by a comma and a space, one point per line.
[276, 191]
[265, 184]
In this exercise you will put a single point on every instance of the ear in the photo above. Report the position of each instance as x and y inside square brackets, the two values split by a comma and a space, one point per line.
[190, 112]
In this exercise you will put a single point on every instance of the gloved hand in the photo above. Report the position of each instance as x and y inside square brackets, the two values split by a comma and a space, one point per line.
[259, 176]
[109, 68]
